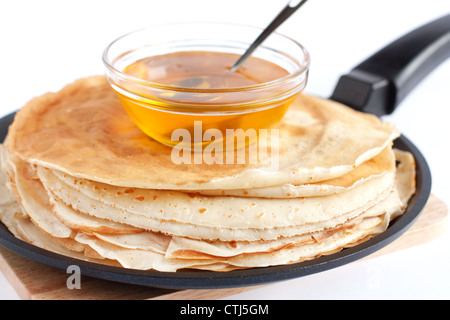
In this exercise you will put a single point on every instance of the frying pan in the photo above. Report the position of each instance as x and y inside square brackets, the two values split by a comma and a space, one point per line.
[377, 86]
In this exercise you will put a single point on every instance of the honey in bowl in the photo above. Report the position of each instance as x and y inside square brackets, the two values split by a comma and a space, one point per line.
[203, 70]
[174, 84]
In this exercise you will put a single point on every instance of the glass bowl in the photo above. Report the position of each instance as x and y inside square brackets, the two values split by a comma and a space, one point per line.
[175, 113]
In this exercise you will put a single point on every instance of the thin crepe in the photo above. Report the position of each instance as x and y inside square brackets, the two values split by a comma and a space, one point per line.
[84, 131]
[147, 250]
[213, 217]
[381, 164]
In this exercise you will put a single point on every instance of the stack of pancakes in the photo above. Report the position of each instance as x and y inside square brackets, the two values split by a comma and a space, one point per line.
[80, 179]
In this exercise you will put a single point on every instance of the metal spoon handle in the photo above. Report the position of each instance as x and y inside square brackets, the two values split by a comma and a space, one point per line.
[290, 8]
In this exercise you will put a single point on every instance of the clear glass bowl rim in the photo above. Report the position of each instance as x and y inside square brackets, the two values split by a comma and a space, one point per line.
[304, 65]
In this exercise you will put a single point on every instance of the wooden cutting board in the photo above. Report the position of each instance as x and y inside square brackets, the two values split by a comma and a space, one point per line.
[35, 281]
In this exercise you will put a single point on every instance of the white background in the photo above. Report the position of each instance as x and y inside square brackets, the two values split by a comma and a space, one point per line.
[48, 43]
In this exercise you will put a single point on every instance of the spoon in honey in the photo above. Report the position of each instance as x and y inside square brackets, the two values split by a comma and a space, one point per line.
[287, 11]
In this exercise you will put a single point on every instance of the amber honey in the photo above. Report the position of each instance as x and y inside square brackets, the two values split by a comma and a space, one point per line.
[184, 87]
[172, 77]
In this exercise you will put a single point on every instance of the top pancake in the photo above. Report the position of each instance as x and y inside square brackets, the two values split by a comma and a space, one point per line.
[84, 131]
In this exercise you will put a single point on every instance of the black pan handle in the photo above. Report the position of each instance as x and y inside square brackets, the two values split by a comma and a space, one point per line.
[381, 82]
